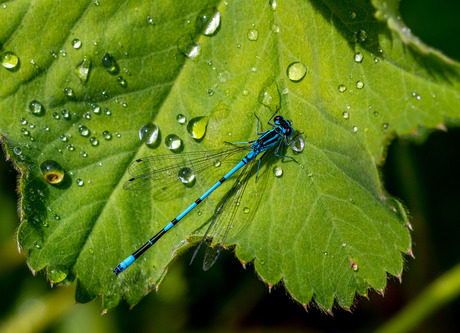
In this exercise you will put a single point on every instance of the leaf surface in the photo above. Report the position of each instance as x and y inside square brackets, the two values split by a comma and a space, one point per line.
[326, 228]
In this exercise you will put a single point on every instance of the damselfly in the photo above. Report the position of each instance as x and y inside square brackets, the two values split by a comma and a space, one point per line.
[162, 169]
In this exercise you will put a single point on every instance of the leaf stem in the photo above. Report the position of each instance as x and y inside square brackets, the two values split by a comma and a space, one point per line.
[439, 293]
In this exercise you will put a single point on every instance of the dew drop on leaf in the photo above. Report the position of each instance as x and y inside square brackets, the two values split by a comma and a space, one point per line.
[187, 46]
[208, 21]
[36, 108]
[80, 182]
[360, 84]
[272, 4]
[109, 63]
[269, 95]
[196, 127]
[10, 61]
[82, 70]
[342, 88]
[17, 151]
[298, 144]
[246, 210]
[173, 142]
[94, 141]
[76, 43]
[186, 175]
[148, 134]
[181, 119]
[346, 115]
[296, 71]
[122, 82]
[224, 76]
[107, 135]
[56, 274]
[52, 171]
[83, 130]
[359, 57]
[253, 34]
[278, 171]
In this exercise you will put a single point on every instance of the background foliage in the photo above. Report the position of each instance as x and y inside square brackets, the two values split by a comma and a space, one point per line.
[414, 175]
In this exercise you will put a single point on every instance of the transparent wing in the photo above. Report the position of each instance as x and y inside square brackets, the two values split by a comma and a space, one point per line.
[222, 222]
[161, 170]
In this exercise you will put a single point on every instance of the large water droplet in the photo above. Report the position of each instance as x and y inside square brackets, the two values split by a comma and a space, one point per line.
[181, 119]
[298, 144]
[56, 275]
[10, 61]
[272, 4]
[149, 134]
[360, 84]
[17, 151]
[296, 71]
[36, 108]
[82, 70]
[359, 57]
[187, 46]
[253, 34]
[173, 142]
[80, 182]
[208, 21]
[270, 95]
[83, 130]
[76, 43]
[196, 127]
[277, 171]
[186, 176]
[52, 171]
[109, 63]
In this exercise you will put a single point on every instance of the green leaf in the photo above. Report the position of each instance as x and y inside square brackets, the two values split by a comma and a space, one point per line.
[327, 229]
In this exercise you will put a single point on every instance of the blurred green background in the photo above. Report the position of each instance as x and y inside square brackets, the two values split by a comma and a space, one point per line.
[229, 298]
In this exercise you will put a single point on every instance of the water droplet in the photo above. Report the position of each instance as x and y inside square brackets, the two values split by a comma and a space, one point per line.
[107, 112]
[56, 274]
[355, 129]
[23, 121]
[91, 251]
[272, 4]
[70, 147]
[362, 35]
[64, 138]
[83, 154]
[359, 57]
[80, 182]
[187, 46]
[210, 92]
[270, 95]
[196, 127]
[52, 171]
[186, 176]
[17, 151]
[208, 21]
[342, 88]
[56, 217]
[69, 92]
[344, 244]
[296, 71]
[63, 53]
[199, 212]
[253, 34]
[65, 114]
[97, 109]
[224, 76]
[83, 130]
[346, 115]
[25, 131]
[36, 245]
[94, 141]
[82, 70]
[36, 108]
[360, 84]
[149, 134]
[352, 15]
[275, 28]
[122, 81]
[181, 119]
[173, 142]
[76, 43]
[245, 92]
[246, 210]
[278, 171]
[10, 61]
[325, 253]
[217, 163]
[107, 135]
[385, 127]
[109, 63]
[298, 144]
[56, 115]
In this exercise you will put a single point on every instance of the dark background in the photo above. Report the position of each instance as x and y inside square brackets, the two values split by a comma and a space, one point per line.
[425, 176]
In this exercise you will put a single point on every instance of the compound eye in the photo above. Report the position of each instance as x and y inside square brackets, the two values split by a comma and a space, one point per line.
[277, 119]
[288, 131]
